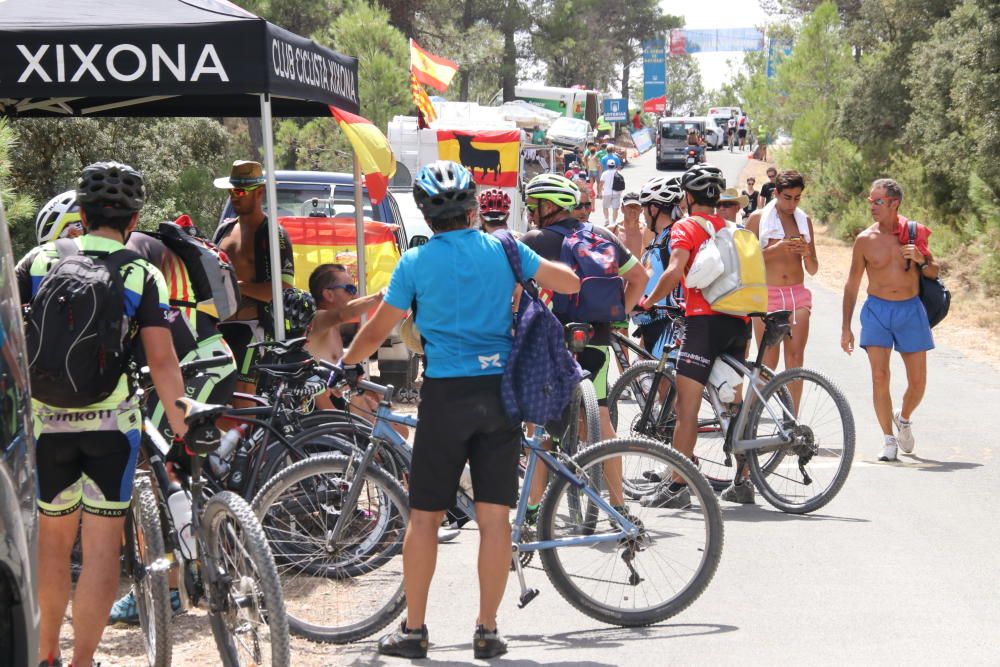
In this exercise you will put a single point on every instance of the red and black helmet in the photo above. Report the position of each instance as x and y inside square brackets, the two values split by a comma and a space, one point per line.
[494, 205]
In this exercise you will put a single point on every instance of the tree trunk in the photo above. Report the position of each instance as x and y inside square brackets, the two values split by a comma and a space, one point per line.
[256, 131]
[625, 77]
[508, 70]
[468, 18]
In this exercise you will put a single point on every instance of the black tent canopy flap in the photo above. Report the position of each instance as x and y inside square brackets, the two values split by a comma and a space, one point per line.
[152, 58]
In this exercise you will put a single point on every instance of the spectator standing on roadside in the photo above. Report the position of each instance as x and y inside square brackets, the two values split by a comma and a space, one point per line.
[767, 192]
[610, 189]
[731, 132]
[637, 120]
[741, 130]
[753, 197]
[593, 162]
[893, 315]
[538, 136]
[245, 241]
[631, 231]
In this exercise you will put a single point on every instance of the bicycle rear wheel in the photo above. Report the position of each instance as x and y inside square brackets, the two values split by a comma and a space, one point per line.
[336, 590]
[246, 610]
[807, 473]
[149, 572]
[642, 580]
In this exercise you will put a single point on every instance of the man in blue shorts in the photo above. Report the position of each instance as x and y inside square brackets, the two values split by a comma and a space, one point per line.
[466, 342]
[892, 316]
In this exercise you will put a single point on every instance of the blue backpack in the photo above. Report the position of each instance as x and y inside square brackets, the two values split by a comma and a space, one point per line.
[541, 374]
[595, 260]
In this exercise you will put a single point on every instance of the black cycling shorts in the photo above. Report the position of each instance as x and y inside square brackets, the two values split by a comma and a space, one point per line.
[94, 468]
[239, 336]
[708, 337]
[462, 420]
[651, 333]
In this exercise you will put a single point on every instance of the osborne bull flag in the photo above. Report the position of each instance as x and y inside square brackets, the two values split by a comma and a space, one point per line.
[492, 156]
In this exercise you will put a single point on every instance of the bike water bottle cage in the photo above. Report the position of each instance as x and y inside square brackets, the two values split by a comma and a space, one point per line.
[578, 336]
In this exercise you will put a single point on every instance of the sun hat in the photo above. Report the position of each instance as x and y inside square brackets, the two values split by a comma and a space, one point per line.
[731, 195]
[244, 174]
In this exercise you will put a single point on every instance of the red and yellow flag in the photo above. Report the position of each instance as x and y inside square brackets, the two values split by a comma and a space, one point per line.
[318, 241]
[429, 69]
[421, 101]
[378, 164]
[492, 156]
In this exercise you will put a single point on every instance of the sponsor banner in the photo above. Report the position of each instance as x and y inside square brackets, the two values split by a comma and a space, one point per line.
[318, 241]
[655, 105]
[654, 70]
[615, 110]
[491, 156]
[643, 139]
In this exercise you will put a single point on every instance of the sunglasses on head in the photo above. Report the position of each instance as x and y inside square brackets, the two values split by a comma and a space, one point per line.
[347, 287]
[240, 192]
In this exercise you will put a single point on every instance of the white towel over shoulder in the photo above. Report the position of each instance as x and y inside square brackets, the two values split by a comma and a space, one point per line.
[771, 228]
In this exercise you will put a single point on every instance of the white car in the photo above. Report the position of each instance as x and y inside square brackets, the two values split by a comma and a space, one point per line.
[715, 136]
[569, 132]
[413, 220]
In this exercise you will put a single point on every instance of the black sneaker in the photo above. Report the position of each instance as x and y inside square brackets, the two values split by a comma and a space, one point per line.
[487, 644]
[672, 496]
[405, 643]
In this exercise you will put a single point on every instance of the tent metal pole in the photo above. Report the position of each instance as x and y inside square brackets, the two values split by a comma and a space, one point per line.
[359, 230]
[274, 252]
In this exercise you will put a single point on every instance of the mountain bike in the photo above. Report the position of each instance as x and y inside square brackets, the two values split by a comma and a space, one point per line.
[798, 454]
[333, 489]
[221, 556]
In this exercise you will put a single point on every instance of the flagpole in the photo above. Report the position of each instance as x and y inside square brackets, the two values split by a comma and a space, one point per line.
[359, 230]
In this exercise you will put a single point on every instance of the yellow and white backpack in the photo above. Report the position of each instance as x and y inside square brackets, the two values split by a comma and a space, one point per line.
[741, 287]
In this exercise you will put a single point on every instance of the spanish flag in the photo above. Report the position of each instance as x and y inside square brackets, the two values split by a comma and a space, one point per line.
[318, 241]
[421, 101]
[378, 164]
[429, 69]
[492, 156]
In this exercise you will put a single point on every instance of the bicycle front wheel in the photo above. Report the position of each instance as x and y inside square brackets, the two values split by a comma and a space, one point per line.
[149, 572]
[337, 588]
[809, 471]
[645, 579]
[246, 609]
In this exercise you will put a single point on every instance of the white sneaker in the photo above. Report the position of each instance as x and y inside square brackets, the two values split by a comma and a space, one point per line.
[904, 433]
[889, 450]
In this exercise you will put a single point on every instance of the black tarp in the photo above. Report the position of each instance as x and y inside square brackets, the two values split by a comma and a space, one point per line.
[162, 58]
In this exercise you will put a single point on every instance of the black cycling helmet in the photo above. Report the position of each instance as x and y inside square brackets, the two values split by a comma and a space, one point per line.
[705, 180]
[299, 310]
[111, 185]
[444, 189]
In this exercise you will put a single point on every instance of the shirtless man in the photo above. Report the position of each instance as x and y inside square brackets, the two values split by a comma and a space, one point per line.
[789, 248]
[245, 240]
[337, 305]
[631, 231]
[893, 315]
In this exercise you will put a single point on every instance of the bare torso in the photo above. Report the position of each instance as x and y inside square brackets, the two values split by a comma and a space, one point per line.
[239, 246]
[886, 268]
[634, 238]
[784, 269]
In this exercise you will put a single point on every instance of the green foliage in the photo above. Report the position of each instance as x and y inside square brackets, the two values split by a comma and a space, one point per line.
[685, 92]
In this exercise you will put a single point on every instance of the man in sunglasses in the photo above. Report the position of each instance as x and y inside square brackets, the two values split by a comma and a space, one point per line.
[337, 306]
[245, 240]
[585, 207]
[893, 315]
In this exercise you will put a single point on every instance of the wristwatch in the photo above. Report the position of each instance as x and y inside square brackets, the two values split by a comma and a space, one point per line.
[924, 265]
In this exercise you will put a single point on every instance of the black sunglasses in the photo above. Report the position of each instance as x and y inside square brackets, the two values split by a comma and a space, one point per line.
[584, 204]
[347, 287]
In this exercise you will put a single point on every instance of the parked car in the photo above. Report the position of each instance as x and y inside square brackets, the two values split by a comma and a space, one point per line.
[569, 132]
[18, 516]
[320, 194]
[413, 220]
[671, 139]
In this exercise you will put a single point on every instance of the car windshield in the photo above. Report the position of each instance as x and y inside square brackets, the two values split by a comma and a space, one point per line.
[314, 200]
[678, 129]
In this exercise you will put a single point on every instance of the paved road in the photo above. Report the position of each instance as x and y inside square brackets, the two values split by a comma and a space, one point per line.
[902, 567]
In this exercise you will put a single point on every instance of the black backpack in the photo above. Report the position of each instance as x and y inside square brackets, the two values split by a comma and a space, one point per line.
[933, 294]
[618, 184]
[76, 329]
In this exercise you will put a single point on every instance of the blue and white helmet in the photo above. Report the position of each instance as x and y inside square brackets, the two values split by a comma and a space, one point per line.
[444, 189]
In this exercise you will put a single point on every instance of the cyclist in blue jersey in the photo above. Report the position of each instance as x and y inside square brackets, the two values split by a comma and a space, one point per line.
[663, 204]
[461, 285]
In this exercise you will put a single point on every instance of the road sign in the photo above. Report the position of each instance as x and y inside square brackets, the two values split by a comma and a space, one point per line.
[616, 110]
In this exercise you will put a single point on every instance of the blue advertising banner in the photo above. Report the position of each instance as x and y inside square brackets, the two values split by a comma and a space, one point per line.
[777, 50]
[643, 139]
[654, 70]
[615, 110]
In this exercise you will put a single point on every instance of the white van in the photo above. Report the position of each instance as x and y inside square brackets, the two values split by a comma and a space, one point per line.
[671, 139]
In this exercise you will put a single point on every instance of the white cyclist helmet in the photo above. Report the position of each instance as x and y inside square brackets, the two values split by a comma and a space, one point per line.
[58, 218]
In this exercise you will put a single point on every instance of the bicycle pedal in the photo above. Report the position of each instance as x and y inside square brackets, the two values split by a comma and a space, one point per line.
[528, 596]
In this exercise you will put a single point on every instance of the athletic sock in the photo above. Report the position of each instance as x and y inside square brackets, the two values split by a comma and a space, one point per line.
[674, 487]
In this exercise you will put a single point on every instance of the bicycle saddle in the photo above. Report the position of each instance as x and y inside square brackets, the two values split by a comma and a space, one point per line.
[775, 316]
[281, 347]
[290, 370]
[196, 412]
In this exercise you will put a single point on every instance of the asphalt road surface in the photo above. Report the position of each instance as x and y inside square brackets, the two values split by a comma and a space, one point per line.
[901, 568]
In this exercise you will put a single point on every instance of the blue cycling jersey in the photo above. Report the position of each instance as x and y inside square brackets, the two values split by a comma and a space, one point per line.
[462, 284]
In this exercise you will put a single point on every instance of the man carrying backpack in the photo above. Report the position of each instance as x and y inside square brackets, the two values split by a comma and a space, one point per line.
[467, 343]
[610, 188]
[88, 297]
[709, 333]
[613, 281]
